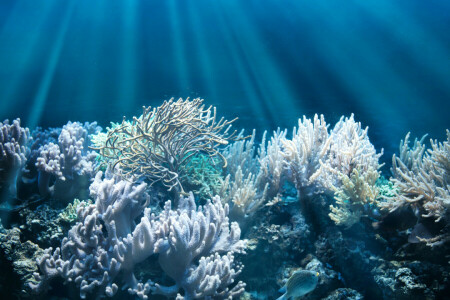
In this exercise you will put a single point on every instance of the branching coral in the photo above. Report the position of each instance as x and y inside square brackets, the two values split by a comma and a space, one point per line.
[350, 148]
[422, 178]
[356, 191]
[190, 254]
[302, 155]
[243, 194]
[271, 161]
[203, 175]
[343, 162]
[95, 250]
[107, 242]
[247, 184]
[14, 151]
[69, 162]
[157, 144]
[350, 170]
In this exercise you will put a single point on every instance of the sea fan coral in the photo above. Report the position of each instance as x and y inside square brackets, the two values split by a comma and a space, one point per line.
[163, 139]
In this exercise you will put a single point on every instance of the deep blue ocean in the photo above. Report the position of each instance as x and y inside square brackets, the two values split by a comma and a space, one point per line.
[266, 62]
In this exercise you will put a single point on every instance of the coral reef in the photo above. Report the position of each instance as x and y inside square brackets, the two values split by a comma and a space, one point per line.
[22, 256]
[350, 170]
[106, 242]
[14, 151]
[68, 161]
[316, 200]
[255, 174]
[302, 154]
[422, 179]
[158, 143]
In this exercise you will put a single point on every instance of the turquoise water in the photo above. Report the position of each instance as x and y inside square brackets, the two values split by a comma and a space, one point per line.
[267, 63]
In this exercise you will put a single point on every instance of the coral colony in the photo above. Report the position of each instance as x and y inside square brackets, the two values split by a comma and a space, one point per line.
[174, 203]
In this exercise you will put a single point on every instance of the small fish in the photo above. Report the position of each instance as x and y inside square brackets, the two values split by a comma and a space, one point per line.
[300, 283]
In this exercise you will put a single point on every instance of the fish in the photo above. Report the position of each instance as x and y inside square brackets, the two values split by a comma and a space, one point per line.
[300, 283]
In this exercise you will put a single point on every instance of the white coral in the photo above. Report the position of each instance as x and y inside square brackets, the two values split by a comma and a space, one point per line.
[106, 241]
[69, 161]
[302, 154]
[14, 152]
[422, 177]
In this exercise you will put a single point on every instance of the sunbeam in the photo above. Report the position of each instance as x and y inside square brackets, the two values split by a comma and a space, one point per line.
[40, 98]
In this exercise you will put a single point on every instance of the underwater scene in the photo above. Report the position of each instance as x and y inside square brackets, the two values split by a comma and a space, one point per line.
[224, 149]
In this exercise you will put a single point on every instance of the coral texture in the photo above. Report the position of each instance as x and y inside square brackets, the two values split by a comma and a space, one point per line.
[107, 241]
[350, 171]
[422, 179]
[69, 162]
[14, 151]
[302, 154]
[158, 143]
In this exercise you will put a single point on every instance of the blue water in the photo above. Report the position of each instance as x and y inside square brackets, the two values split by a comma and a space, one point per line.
[266, 62]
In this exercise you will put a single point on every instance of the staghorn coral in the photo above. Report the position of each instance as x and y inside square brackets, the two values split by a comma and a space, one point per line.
[158, 143]
[14, 152]
[106, 241]
[68, 161]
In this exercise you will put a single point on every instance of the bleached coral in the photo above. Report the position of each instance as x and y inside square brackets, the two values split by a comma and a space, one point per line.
[350, 148]
[271, 161]
[14, 151]
[243, 195]
[241, 154]
[98, 246]
[69, 161]
[422, 178]
[107, 241]
[343, 163]
[245, 187]
[190, 254]
[302, 154]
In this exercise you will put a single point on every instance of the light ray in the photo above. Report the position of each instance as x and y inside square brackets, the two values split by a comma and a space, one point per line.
[128, 66]
[276, 92]
[46, 81]
[18, 49]
[178, 50]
